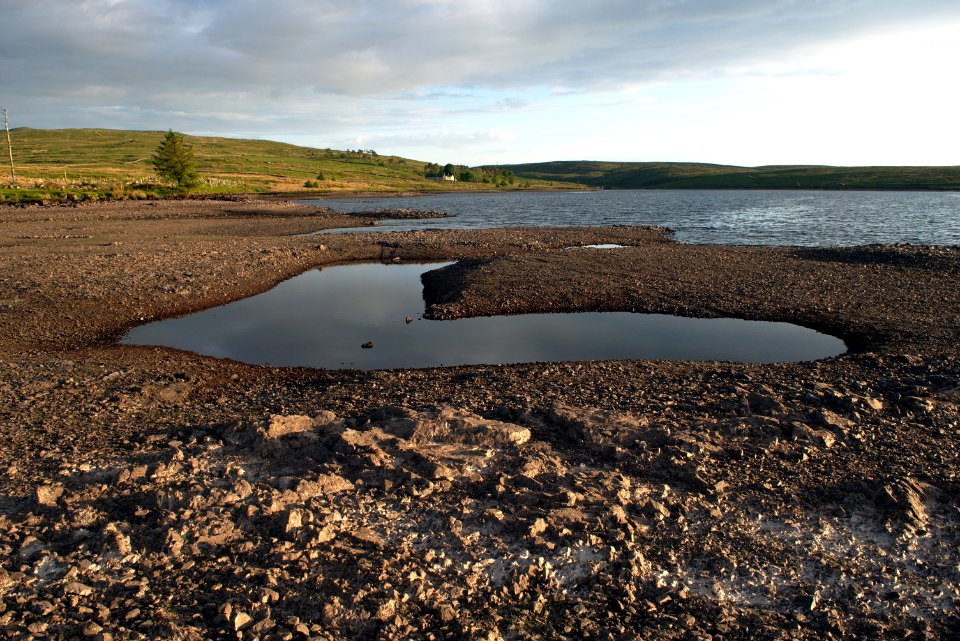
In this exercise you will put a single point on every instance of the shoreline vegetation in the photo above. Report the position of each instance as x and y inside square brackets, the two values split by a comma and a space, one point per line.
[151, 493]
[91, 165]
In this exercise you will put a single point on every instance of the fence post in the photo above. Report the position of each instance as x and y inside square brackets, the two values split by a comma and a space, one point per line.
[6, 126]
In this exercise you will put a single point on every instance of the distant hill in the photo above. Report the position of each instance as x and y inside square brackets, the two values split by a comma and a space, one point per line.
[108, 163]
[663, 175]
[90, 164]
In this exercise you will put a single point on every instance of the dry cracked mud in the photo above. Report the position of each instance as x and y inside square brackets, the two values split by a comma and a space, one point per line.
[151, 493]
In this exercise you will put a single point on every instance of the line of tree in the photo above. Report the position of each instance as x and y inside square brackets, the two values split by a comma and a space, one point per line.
[493, 175]
[490, 175]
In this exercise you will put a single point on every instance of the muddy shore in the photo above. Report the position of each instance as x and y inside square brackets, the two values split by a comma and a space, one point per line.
[150, 493]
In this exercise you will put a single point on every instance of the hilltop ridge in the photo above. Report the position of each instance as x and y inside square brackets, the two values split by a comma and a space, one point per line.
[112, 164]
[98, 164]
[689, 175]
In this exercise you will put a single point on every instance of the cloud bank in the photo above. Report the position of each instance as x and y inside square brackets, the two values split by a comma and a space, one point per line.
[376, 67]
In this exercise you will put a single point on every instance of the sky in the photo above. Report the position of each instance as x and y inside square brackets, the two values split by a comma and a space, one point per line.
[743, 82]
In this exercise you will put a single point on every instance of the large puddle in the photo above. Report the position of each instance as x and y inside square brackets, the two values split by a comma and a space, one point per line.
[368, 316]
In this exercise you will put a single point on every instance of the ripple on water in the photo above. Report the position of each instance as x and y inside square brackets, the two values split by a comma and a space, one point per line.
[732, 217]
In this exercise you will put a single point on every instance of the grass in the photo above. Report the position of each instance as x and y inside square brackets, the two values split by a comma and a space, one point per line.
[107, 164]
[649, 175]
[100, 164]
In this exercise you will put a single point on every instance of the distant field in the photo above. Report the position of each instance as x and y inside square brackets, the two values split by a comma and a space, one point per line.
[105, 163]
[650, 175]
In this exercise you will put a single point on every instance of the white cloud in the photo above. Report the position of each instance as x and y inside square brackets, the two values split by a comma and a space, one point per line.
[394, 68]
[438, 139]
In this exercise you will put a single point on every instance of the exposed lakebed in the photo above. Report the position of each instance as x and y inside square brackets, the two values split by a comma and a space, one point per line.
[369, 316]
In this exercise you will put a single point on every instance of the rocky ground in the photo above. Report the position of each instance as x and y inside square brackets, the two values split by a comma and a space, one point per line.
[149, 493]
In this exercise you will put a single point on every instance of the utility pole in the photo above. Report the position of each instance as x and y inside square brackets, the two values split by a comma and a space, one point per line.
[6, 126]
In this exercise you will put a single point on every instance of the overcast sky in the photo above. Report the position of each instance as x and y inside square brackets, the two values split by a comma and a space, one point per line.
[748, 82]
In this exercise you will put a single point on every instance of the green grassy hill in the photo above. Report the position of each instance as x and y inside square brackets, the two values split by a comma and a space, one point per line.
[104, 163]
[90, 164]
[652, 175]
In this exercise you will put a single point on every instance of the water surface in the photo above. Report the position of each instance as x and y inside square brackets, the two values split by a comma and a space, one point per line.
[732, 217]
[323, 317]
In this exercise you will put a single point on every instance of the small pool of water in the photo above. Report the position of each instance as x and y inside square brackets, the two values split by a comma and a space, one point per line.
[323, 318]
[600, 246]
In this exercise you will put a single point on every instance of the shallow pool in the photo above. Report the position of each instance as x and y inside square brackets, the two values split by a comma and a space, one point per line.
[369, 316]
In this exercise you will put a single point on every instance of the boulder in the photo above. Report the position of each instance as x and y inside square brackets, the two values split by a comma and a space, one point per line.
[281, 425]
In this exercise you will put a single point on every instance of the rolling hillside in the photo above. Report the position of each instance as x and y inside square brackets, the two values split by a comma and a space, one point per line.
[652, 175]
[106, 163]
[91, 164]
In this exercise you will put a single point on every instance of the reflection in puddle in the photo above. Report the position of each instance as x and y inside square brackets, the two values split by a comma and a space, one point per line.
[323, 318]
[600, 246]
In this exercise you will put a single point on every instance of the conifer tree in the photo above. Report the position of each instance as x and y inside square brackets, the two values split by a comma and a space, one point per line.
[173, 159]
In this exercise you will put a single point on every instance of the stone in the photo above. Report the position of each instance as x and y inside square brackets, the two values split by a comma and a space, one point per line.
[655, 509]
[324, 535]
[242, 488]
[91, 629]
[619, 515]
[906, 497]
[281, 425]
[539, 527]
[473, 430]
[919, 405]
[174, 393]
[805, 434]
[173, 543]
[268, 595]
[325, 484]
[387, 610]
[132, 473]
[832, 420]
[116, 541]
[765, 404]
[366, 535]
[77, 589]
[296, 518]
[47, 495]
[30, 547]
[324, 418]
[240, 620]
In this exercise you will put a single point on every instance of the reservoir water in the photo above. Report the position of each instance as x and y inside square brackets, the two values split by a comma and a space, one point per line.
[322, 318]
[737, 217]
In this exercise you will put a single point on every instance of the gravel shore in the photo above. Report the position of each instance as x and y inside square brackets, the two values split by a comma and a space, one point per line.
[150, 493]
